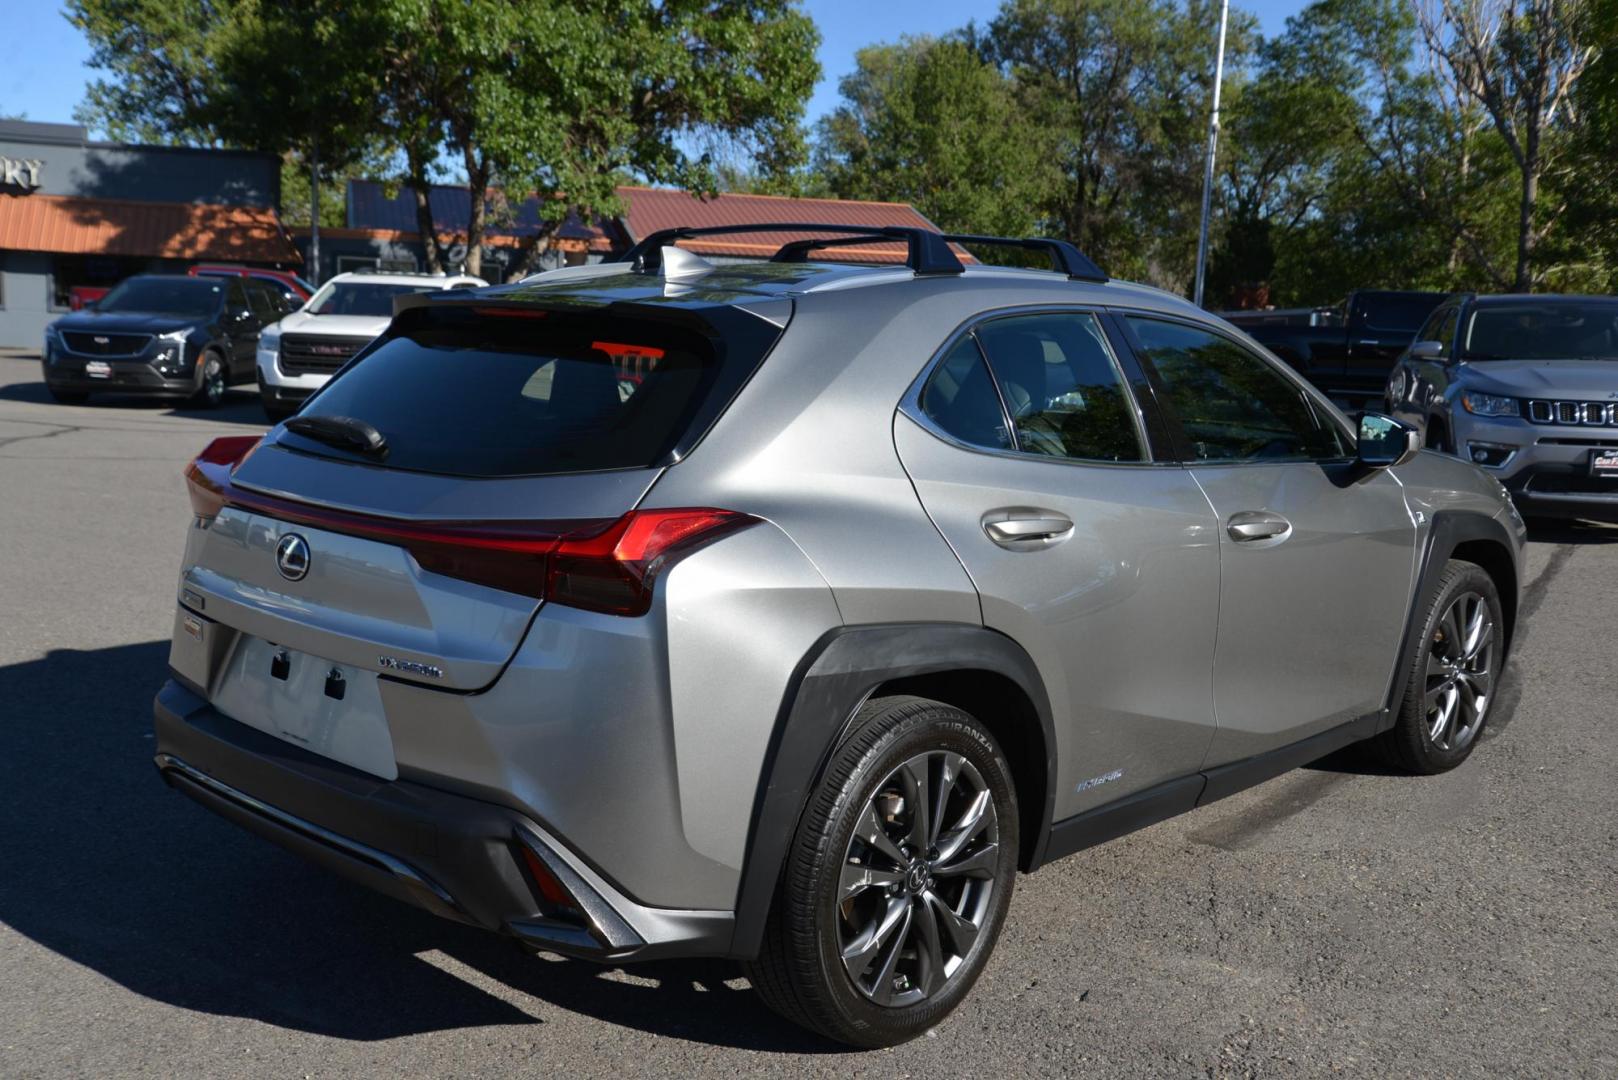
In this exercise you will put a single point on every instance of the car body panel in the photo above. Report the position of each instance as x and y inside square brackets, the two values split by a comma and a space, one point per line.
[1135, 584]
[1286, 668]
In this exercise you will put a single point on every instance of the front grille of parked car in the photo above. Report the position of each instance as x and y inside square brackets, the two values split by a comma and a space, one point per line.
[1571, 484]
[1590, 413]
[88, 343]
[311, 354]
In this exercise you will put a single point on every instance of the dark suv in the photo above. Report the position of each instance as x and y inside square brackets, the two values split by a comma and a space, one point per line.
[171, 336]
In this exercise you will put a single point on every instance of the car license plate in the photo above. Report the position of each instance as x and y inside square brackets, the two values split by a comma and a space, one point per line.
[98, 369]
[1604, 462]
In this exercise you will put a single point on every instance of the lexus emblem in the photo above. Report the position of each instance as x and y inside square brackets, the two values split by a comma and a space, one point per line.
[292, 557]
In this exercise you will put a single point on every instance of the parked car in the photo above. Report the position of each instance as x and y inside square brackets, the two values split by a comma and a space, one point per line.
[289, 285]
[80, 297]
[298, 355]
[1527, 387]
[880, 585]
[1347, 353]
[166, 335]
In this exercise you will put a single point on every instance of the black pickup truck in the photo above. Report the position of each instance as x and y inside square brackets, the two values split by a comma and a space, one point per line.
[1348, 350]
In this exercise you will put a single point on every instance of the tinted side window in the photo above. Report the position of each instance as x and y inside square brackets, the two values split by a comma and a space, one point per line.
[1232, 405]
[263, 304]
[1062, 387]
[235, 297]
[960, 398]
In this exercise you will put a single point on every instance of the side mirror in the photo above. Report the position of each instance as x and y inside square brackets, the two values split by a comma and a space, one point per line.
[1385, 442]
[1427, 350]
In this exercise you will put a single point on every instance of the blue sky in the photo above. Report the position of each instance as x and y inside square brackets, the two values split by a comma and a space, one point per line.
[42, 72]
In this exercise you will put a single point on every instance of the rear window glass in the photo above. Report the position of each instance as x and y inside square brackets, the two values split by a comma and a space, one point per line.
[367, 298]
[502, 396]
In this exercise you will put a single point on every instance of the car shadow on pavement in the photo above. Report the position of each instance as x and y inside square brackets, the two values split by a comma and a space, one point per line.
[107, 867]
[240, 406]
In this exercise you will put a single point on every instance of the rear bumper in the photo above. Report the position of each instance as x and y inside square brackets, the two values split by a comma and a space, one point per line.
[454, 856]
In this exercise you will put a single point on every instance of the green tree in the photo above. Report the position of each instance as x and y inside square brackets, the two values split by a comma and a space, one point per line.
[929, 122]
[557, 98]
[1520, 62]
[1119, 91]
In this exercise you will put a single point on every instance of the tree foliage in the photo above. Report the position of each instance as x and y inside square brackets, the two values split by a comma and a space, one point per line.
[557, 98]
[930, 122]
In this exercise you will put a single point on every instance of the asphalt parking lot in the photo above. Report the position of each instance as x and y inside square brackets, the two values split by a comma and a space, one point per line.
[1338, 920]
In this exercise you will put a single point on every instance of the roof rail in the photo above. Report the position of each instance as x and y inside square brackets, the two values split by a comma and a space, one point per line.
[926, 251]
[1068, 259]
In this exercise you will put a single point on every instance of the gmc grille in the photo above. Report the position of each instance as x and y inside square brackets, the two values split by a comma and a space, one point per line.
[1587, 413]
[312, 354]
[88, 343]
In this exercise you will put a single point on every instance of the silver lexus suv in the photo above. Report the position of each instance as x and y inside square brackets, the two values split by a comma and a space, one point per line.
[785, 610]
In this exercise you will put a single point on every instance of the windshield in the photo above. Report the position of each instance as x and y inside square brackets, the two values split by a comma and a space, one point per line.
[1395, 312]
[164, 296]
[360, 298]
[1543, 331]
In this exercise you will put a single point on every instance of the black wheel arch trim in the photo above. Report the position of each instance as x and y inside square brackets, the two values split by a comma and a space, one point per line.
[830, 684]
[1449, 530]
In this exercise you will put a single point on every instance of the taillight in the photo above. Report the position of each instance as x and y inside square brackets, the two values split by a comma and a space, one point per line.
[606, 566]
[208, 475]
[613, 572]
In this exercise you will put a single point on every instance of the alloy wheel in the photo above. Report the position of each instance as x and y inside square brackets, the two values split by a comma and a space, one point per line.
[213, 382]
[1460, 672]
[918, 879]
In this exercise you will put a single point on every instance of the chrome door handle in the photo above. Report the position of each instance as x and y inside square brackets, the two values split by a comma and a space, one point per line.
[1026, 533]
[1250, 525]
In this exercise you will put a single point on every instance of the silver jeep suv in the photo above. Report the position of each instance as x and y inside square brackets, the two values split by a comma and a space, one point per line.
[784, 610]
[1526, 387]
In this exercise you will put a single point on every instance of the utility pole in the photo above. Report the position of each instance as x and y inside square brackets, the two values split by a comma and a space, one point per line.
[1213, 145]
[314, 215]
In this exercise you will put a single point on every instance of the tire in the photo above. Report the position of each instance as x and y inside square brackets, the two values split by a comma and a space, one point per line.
[67, 397]
[215, 378]
[1437, 438]
[1453, 679]
[943, 909]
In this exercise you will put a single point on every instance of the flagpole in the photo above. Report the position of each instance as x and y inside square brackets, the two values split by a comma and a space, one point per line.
[1213, 145]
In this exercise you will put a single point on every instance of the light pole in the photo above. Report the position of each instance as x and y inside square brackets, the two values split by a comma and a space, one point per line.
[1213, 145]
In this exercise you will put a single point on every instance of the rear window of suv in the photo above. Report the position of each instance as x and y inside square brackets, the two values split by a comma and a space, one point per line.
[543, 393]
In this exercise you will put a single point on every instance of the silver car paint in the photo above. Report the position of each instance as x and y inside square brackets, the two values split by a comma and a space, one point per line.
[1305, 621]
[640, 742]
[1120, 616]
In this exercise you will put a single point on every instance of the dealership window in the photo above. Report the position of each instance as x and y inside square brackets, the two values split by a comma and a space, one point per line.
[91, 275]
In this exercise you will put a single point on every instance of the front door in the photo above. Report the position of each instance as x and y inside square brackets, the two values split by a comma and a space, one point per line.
[1317, 552]
[1026, 447]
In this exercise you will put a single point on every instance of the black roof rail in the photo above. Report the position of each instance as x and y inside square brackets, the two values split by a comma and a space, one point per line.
[1068, 259]
[926, 251]
[1065, 257]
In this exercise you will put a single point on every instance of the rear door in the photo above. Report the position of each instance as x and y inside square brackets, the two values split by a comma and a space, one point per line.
[1381, 326]
[1317, 553]
[1030, 453]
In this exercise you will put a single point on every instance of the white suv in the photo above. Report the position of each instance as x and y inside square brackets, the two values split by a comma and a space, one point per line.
[297, 355]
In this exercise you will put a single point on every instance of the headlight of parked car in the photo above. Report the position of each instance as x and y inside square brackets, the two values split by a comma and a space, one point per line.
[1490, 404]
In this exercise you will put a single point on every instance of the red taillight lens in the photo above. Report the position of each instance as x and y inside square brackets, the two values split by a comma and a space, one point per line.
[207, 475]
[613, 571]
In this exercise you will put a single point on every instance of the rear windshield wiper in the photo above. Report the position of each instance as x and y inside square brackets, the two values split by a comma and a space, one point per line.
[343, 432]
